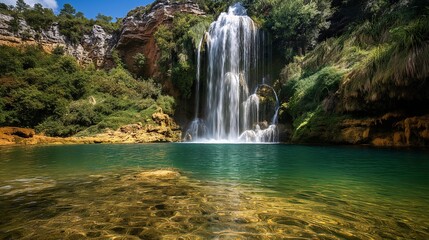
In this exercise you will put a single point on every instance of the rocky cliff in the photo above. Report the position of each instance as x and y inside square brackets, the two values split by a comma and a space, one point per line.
[138, 30]
[93, 48]
[136, 36]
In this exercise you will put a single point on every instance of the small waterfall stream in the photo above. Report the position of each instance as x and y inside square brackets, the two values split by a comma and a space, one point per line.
[228, 106]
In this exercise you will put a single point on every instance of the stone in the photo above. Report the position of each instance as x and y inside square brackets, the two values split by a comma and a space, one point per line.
[159, 174]
[355, 135]
[398, 138]
[99, 43]
[382, 142]
[16, 131]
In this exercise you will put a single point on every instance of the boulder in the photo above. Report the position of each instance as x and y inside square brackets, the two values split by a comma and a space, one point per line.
[16, 131]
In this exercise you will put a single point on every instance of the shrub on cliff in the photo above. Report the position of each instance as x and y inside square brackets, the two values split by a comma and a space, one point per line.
[177, 45]
[72, 24]
[379, 65]
[39, 18]
[295, 25]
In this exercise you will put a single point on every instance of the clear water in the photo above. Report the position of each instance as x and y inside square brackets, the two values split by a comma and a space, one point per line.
[226, 191]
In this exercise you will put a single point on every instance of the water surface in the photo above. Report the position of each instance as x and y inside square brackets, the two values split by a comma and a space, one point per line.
[225, 191]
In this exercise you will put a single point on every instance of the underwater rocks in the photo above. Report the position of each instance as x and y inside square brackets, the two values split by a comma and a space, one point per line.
[163, 204]
[154, 175]
[163, 129]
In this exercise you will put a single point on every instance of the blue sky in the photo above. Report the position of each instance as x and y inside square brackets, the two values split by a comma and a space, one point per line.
[114, 8]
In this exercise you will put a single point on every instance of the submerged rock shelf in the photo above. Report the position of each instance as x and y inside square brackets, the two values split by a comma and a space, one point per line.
[165, 204]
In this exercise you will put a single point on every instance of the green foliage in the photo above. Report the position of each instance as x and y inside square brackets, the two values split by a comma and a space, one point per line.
[54, 95]
[117, 59]
[67, 11]
[394, 62]
[316, 126]
[306, 94]
[295, 24]
[4, 9]
[164, 40]
[74, 28]
[39, 18]
[377, 66]
[177, 46]
[21, 6]
[167, 104]
[139, 60]
[9, 63]
[183, 75]
[14, 26]
[79, 15]
[72, 24]
[214, 7]
[103, 18]
[58, 50]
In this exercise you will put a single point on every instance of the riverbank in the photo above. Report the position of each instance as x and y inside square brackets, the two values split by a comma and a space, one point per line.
[389, 130]
[164, 129]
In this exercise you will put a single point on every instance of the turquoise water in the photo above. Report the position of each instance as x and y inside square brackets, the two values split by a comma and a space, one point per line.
[336, 192]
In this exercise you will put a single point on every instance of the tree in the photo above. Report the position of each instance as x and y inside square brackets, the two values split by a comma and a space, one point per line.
[296, 24]
[103, 18]
[79, 15]
[68, 10]
[4, 7]
[21, 6]
[14, 25]
[165, 42]
[39, 18]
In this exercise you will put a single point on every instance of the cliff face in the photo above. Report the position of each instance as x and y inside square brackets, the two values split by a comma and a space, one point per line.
[368, 85]
[138, 30]
[136, 36]
[93, 48]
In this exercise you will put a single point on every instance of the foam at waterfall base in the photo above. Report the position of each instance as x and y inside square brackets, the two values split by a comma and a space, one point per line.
[256, 136]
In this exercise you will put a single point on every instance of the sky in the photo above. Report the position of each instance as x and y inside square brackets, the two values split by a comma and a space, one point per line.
[90, 8]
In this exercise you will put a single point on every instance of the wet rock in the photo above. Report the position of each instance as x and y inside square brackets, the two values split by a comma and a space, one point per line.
[388, 130]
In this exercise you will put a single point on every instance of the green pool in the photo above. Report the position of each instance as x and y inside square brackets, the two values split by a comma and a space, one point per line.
[224, 191]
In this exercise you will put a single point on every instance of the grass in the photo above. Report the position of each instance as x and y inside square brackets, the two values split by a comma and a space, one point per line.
[379, 65]
[317, 126]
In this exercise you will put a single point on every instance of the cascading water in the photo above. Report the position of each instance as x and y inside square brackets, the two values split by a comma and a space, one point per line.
[227, 103]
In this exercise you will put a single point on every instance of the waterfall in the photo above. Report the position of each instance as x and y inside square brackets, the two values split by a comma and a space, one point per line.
[227, 104]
